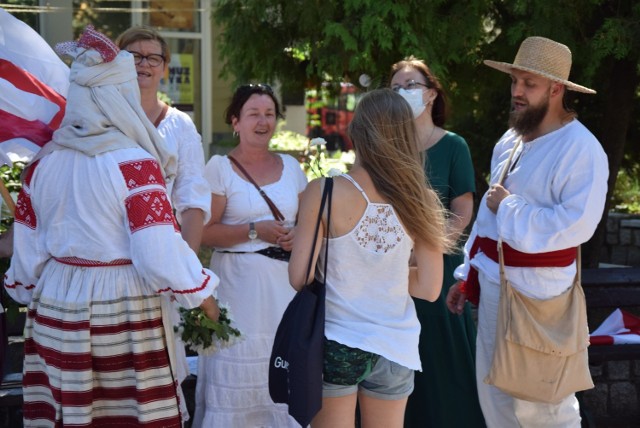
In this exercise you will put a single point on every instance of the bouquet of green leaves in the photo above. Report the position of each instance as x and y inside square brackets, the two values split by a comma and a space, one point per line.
[204, 336]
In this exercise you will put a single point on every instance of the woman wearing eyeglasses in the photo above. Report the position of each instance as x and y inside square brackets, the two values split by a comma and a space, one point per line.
[250, 230]
[445, 391]
[190, 194]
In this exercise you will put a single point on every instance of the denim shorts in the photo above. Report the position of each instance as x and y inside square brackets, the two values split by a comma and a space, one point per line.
[387, 381]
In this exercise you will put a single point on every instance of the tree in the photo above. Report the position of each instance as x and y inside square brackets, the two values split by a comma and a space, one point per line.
[304, 42]
[311, 41]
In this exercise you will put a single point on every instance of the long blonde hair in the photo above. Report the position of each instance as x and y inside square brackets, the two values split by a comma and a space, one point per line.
[384, 137]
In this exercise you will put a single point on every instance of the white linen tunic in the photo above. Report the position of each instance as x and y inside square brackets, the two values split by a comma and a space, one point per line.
[96, 248]
[190, 188]
[558, 189]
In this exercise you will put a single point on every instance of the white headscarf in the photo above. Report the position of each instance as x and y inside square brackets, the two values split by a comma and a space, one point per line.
[103, 110]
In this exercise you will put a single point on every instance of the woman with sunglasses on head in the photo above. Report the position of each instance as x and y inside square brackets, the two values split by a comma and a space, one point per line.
[254, 203]
[190, 193]
[447, 341]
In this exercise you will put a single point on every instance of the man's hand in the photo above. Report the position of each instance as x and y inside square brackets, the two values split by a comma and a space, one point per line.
[495, 195]
[455, 299]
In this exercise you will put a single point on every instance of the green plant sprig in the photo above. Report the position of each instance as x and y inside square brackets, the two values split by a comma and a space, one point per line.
[204, 335]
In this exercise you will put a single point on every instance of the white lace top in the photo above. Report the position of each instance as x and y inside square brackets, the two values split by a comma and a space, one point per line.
[368, 304]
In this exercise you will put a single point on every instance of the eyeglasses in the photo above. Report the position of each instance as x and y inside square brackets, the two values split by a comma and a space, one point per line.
[153, 60]
[411, 84]
[256, 87]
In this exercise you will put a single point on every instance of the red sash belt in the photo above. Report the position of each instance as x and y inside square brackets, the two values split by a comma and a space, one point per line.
[514, 258]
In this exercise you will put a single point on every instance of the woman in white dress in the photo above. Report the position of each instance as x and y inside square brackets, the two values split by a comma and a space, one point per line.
[251, 258]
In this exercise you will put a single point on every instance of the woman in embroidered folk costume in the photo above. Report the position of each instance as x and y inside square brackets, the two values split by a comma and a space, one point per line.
[447, 341]
[381, 210]
[254, 202]
[96, 249]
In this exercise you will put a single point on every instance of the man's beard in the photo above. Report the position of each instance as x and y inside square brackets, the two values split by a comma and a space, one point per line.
[526, 121]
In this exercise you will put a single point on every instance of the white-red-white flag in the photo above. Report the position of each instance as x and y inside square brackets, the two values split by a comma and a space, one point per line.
[33, 86]
[621, 327]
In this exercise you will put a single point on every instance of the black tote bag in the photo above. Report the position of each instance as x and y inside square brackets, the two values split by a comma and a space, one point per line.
[295, 367]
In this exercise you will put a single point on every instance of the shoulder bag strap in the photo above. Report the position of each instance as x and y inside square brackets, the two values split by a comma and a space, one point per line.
[505, 170]
[274, 209]
[326, 195]
[579, 265]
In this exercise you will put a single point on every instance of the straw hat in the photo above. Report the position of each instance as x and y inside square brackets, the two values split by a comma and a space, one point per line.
[544, 57]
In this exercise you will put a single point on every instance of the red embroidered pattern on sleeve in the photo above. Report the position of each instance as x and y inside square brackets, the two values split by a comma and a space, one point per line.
[146, 209]
[140, 173]
[17, 284]
[24, 210]
[191, 290]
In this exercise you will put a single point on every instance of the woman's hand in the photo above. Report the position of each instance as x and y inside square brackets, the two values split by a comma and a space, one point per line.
[271, 231]
[286, 241]
[210, 308]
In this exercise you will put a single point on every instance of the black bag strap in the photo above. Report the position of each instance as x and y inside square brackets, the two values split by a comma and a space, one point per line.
[272, 206]
[326, 195]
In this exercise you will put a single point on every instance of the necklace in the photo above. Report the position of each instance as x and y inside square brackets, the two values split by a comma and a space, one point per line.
[426, 142]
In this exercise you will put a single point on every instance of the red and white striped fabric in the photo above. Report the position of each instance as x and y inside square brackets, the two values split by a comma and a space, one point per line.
[619, 328]
[34, 83]
[103, 366]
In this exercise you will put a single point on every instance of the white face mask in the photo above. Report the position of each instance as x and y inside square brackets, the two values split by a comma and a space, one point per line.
[414, 98]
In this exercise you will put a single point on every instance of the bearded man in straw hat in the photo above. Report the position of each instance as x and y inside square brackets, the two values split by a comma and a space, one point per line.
[547, 194]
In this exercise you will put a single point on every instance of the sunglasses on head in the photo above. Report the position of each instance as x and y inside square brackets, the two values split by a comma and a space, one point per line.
[257, 87]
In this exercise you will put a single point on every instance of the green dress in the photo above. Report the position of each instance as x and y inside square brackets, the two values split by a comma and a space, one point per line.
[445, 394]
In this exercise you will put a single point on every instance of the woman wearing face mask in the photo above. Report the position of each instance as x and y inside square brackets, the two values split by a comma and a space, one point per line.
[447, 343]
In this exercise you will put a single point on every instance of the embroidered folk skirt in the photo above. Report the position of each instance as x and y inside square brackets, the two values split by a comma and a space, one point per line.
[95, 352]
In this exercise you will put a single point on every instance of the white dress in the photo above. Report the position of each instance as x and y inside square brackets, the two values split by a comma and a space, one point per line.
[189, 190]
[96, 248]
[232, 388]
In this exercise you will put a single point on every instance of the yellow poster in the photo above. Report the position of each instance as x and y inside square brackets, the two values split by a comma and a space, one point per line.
[178, 81]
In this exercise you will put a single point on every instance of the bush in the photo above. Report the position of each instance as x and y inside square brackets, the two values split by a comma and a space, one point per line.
[315, 159]
[626, 196]
[11, 178]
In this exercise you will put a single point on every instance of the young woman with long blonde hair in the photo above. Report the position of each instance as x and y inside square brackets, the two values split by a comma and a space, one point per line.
[381, 211]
